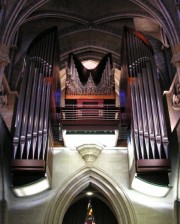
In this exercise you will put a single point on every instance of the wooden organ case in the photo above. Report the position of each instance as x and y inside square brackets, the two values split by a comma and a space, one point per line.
[32, 137]
[141, 91]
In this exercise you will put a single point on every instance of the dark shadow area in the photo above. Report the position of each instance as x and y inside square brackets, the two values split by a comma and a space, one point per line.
[77, 212]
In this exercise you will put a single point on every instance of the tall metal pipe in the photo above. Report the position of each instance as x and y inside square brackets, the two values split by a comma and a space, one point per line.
[163, 126]
[154, 108]
[32, 111]
[19, 113]
[46, 120]
[36, 117]
[139, 116]
[148, 110]
[41, 119]
[25, 115]
[129, 55]
[144, 113]
[135, 120]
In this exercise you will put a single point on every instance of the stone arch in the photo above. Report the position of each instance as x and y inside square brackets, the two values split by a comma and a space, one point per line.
[161, 14]
[76, 183]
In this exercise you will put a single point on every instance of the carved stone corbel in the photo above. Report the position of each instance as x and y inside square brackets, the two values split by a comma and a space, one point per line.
[89, 152]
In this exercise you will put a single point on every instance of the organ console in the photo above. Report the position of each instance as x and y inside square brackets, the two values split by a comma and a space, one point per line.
[32, 137]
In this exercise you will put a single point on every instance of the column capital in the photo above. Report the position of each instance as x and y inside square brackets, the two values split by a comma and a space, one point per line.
[4, 55]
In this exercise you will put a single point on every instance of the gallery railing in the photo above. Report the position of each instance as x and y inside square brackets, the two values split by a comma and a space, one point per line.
[105, 117]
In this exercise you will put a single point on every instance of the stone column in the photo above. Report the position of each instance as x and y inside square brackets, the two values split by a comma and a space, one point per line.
[176, 59]
[4, 59]
[176, 62]
[12, 54]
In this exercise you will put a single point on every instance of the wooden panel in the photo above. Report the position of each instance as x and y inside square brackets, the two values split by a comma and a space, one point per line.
[68, 97]
[148, 165]
[90, 125]
[27, 164]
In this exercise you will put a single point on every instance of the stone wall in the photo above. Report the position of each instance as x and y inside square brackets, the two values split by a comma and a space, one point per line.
[113, 166]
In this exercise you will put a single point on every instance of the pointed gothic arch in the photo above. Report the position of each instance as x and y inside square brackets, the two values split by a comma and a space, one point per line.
[111, 190]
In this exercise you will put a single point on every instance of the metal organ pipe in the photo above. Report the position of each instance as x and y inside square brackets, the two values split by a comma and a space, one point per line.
[143, 106]
[45, 56]
[31, 128]
[139, 116]
[51, 52]
[19, 113]
[41, 119]
[105, 86]
[138, 56]
[25, 114]
[138, 106]
[135, 125]
[149, 111]
[148, 103]
[140, 53]
[46, 120]
[48, 57]
[129, 53]
[163, 127]
[134, 53]
[144, 115]
[32, 112]
[36, 117]
[154, 108]
[71, 65]
[149, 133]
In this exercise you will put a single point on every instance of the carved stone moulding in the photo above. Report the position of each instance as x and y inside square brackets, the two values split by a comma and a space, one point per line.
[89, 152]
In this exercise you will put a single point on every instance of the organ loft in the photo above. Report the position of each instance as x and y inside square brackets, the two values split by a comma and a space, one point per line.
[90, 105]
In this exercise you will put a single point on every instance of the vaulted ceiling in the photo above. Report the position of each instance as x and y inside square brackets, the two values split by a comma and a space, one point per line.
[90, 28]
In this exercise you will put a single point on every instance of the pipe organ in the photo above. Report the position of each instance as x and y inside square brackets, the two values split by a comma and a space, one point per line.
[32, 140]
[83, 81]
[90, 97]
[140, 84]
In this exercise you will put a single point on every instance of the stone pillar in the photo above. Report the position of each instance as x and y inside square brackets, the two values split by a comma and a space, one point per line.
[4, 59]
[176, 62]
[12, 54]
[176, 59]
